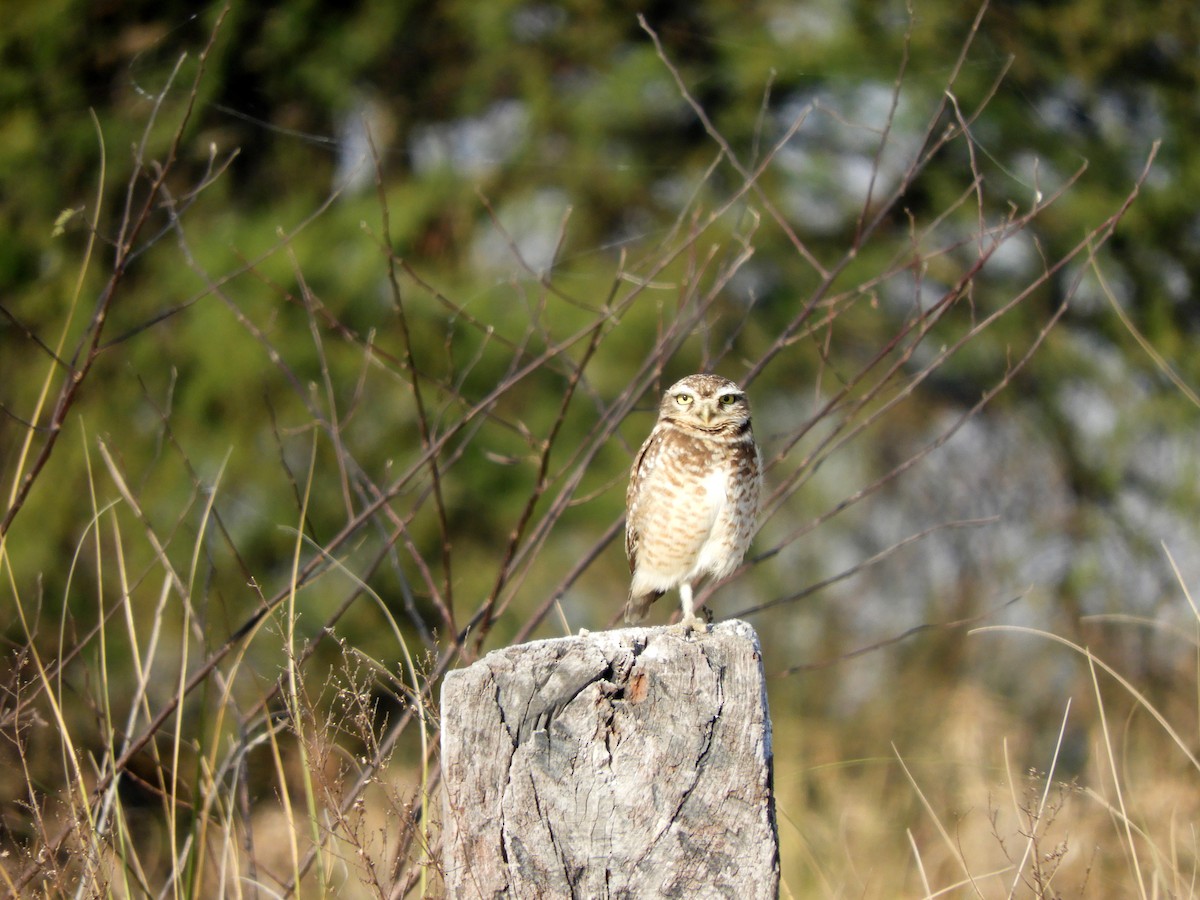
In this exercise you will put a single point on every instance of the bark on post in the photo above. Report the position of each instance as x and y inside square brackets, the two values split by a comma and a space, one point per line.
[631, 763]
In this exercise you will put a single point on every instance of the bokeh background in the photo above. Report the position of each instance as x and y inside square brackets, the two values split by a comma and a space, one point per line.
[376, 300]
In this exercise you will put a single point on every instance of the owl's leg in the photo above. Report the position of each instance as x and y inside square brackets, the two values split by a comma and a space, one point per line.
[689, 621]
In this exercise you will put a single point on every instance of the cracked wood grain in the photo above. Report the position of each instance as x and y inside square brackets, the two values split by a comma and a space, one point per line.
[631, 763]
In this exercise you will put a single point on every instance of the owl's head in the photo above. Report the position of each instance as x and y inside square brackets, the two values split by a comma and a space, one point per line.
[706, 403]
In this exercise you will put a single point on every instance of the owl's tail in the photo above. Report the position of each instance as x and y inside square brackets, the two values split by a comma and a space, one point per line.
[637, 607]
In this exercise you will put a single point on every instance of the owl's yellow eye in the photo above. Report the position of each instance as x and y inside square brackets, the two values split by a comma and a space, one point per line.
[728, 399]
[683, 399]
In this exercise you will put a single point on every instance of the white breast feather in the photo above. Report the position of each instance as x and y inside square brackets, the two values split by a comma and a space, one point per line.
[716, 484]
[714, 552]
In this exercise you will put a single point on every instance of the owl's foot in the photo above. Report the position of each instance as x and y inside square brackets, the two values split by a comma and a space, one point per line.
[689, 621]
[690, 625]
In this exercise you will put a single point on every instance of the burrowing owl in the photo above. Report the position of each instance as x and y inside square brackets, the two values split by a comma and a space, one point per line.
[694, 491]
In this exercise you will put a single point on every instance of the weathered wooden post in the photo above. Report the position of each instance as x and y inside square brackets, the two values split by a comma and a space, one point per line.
[631, 763]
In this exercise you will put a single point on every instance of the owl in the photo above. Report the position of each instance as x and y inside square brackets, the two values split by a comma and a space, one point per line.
[694, 493]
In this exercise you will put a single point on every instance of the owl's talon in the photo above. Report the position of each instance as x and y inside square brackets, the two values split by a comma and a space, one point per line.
[690, 626]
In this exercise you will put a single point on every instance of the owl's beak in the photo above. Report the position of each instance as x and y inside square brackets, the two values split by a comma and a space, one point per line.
[706, 413]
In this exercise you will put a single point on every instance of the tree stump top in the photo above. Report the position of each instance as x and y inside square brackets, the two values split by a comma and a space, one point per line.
[621, 763]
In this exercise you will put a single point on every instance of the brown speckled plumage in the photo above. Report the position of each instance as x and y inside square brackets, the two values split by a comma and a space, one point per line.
[694, 494]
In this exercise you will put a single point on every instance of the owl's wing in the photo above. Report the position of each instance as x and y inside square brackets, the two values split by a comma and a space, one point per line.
[637, 479]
